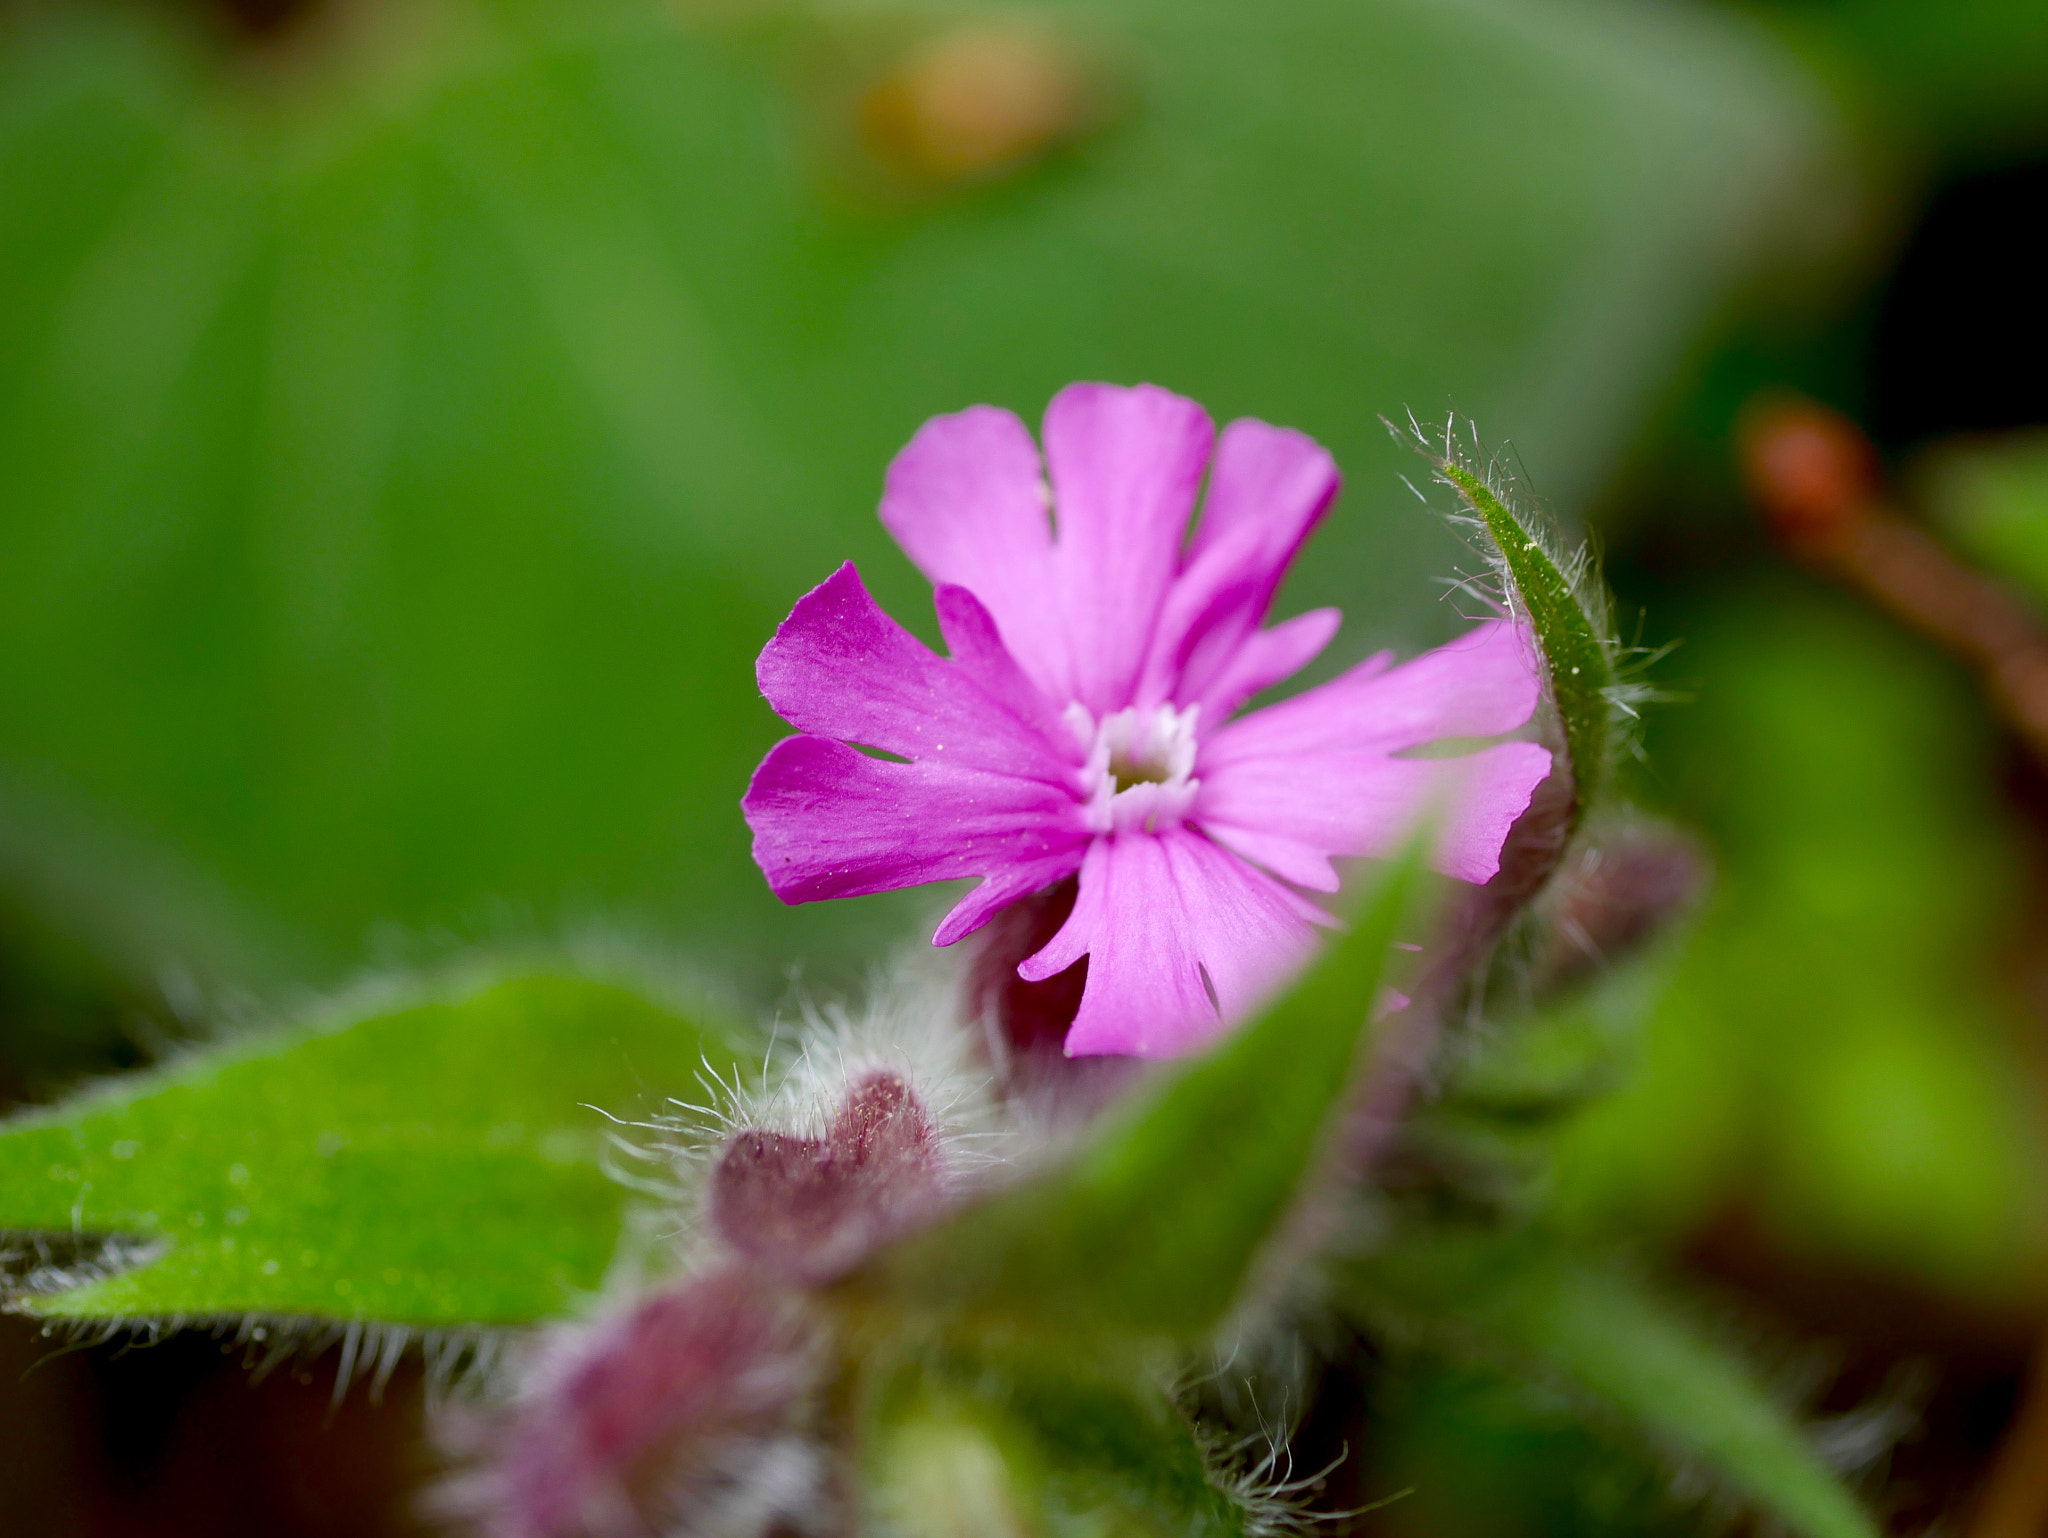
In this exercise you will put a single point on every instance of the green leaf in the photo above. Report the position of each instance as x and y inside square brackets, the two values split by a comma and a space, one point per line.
[1156, 1227]
[1563, 605]
[962, 1447]
[431, 1164]
[1592, 1331]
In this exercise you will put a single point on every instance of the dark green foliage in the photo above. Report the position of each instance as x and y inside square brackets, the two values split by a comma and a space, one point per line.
[1593, 1332]
[1993, 498]
[1833, 1045]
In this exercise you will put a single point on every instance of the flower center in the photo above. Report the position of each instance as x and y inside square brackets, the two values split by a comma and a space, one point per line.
[1125, 771]
[1140, 770]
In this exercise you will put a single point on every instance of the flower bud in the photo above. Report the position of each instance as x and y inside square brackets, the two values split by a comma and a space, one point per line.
[671, 1410]
[807, 1208]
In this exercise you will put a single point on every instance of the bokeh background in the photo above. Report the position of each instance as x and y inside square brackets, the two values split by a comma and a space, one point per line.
[414, 417]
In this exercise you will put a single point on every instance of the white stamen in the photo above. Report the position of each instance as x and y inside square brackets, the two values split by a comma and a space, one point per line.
[1140, 770]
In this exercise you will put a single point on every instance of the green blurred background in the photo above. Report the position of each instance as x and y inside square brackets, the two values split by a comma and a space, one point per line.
[414, 417]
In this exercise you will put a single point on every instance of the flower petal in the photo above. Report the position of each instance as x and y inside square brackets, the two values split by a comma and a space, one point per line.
[1290, 859]
[1365, 803]
[966, 499]
[839, 667]
[1274, 479]
[1182, 939]
[1267, 657]
[829, 821]
[1125, 467]
[1480, 685]
[978, 650]
[1268, 488]
[1002, 889]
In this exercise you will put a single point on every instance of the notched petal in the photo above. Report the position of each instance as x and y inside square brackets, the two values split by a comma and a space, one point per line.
[840, 667]
[829, 821]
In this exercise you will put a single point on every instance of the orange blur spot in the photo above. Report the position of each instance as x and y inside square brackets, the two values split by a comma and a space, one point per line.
[1809, 468]
[977, 101]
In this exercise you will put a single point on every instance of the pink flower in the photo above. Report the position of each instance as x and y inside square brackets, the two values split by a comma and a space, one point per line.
[1083, 722]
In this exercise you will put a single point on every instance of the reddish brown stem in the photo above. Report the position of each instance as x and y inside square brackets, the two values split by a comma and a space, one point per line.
[1815, 476]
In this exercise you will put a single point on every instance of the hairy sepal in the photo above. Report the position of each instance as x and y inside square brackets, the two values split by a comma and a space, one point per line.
[1557, 595]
